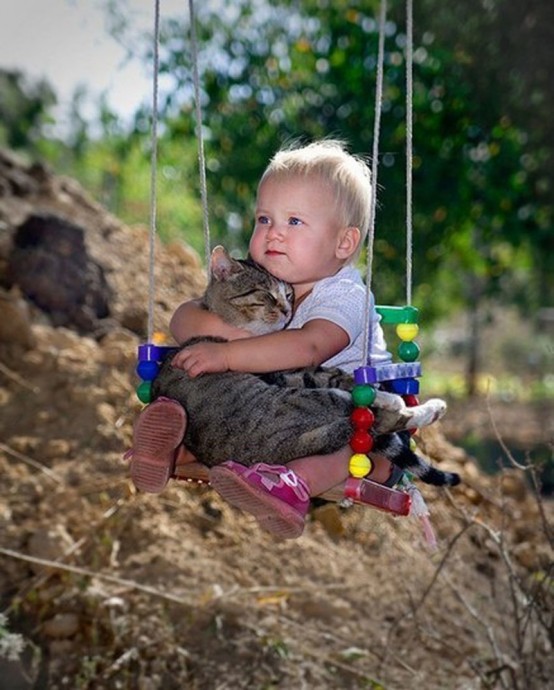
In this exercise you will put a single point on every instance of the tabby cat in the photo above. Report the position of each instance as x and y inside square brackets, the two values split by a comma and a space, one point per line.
[274, 417]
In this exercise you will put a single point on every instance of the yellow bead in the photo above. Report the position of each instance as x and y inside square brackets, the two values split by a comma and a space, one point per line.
[407, 331]
[413, 444]
[360, 465]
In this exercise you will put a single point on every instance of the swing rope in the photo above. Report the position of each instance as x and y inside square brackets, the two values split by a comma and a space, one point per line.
[375, 163]
[199, 133]
[154, 157]
[153, 175]
[368, 326]
[409, 147]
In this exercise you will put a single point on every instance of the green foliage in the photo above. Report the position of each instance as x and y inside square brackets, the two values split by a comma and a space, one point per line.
[24, 110]
[276, 72]
[271, 74]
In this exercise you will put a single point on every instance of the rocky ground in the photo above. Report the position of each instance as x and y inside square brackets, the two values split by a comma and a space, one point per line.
[103, 587]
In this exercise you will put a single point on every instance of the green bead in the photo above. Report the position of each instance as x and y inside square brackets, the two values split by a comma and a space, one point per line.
[363, 396]
[408, 351]
[144, 392]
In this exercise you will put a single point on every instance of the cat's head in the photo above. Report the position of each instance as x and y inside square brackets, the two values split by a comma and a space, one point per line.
[245, 295]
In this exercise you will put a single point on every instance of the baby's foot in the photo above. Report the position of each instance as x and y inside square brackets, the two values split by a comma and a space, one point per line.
[158, 432]
[276, 496]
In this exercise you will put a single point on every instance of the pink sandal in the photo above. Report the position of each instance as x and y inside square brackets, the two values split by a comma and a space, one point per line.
[158, 432]
[277, 497]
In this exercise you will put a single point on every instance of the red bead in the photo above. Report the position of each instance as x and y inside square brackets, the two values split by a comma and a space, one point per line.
[362, 418]
[411, 400]
[361, 442]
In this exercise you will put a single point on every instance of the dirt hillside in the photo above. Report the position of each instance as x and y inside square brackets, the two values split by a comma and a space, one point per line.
[181, 591]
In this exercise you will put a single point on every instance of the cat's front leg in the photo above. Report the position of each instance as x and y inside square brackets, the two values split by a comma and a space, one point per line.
[323, 377]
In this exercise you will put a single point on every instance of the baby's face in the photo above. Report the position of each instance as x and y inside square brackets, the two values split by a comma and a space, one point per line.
[297, 231]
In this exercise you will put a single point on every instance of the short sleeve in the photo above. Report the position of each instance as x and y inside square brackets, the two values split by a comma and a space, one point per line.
[342, 302]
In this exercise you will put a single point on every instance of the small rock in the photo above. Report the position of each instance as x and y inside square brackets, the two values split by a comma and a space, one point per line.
[56, 448]
[61, 626]
[15, 324]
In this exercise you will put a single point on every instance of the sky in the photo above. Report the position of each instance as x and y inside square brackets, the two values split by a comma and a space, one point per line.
[66, 41]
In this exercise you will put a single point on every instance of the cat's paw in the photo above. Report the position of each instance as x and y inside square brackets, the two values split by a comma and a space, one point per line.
[388, 401]
[426, 413]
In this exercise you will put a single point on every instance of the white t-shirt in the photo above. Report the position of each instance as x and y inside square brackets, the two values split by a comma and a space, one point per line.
[341, 299]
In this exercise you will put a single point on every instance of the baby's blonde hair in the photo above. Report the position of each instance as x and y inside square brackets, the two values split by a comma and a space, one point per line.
[347, 174]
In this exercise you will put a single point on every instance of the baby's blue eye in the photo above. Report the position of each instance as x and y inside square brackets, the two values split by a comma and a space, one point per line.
[295, 221]
[263, 220]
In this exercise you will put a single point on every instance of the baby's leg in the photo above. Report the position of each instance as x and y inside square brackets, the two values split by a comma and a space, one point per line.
[158, 433]
[278, 496]
[323, 472]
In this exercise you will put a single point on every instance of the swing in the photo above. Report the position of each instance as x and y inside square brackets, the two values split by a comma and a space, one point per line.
[397, 377]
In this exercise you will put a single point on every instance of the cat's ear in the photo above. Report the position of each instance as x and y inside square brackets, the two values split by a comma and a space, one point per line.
[221, 264]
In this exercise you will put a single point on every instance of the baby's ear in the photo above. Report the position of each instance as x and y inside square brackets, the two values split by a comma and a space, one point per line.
[348, 242]
[221, 264]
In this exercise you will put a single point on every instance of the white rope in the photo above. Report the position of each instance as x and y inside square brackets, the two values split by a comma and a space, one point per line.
[374, 165]
[409, 147]
[153, 175]
[199, 133]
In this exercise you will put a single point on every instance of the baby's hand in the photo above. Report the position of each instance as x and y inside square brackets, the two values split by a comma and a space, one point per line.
[202, 358]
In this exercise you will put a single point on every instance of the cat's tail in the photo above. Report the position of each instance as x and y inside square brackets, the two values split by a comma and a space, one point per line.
[431, 475]
[396, 447]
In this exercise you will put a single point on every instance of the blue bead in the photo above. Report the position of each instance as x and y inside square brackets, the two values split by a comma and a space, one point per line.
[147, 370]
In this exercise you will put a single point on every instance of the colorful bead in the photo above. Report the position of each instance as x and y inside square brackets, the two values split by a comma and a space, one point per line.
[408, 352]
[361, 442]
[411, 400]
[362, 418]
[360, 465]
[147, 370]
[407, 331]
[363, 396]
[144, 392]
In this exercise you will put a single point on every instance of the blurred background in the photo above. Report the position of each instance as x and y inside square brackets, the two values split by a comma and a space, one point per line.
[76, 93]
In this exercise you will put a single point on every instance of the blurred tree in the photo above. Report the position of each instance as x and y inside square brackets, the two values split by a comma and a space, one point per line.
[24, 109]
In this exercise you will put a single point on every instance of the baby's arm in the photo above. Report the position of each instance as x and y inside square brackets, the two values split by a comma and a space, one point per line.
[190, 319]
[314, 343]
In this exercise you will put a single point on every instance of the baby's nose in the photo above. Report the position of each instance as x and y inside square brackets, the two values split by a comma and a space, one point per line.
[275, 230]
